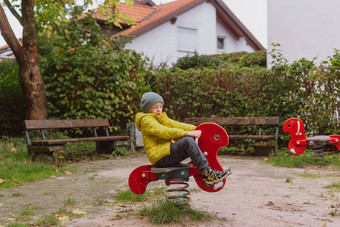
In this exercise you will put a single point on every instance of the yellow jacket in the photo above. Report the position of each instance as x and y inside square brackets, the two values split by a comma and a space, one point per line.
[158, 132]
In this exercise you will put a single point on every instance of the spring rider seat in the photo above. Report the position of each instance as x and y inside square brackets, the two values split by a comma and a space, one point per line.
[212, 138]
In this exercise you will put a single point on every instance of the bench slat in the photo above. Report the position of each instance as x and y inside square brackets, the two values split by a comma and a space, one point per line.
[253, 137]
[234, 120]
[55, 124]
[89, 139]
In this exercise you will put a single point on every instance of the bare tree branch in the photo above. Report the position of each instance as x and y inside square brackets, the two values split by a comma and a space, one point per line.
[8, 34]
[13, 11]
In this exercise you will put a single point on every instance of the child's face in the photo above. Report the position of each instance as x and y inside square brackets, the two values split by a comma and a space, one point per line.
[157, 109]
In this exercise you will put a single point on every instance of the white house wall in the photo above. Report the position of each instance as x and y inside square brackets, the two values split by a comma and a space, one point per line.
[231, 44]
[304, 28]
[160, 44]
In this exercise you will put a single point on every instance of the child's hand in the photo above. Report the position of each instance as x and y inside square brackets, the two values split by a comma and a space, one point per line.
[195, 134]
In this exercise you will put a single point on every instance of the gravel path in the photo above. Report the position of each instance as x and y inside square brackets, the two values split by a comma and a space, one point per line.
[256, 194]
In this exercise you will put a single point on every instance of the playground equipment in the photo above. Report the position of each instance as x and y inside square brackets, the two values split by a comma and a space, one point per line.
[212, 138]
[299, 142]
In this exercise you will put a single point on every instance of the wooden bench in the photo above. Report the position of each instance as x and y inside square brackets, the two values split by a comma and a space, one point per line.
[50, 145]
[267, 141]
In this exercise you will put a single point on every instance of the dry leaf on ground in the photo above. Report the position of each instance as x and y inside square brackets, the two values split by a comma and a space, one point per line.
[79, 211]
[64, 218]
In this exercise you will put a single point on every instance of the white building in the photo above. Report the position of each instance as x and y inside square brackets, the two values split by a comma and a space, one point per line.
[304, 28]
[169, 31]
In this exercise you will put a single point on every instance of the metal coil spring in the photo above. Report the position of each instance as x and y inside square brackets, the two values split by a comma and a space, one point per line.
[180, 199]
[318, 152]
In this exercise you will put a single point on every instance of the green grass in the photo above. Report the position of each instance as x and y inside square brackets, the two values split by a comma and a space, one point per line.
[28, 210]
[335, 185]
[309, 175]
[165, 212]
[49, 220]
[289, 179]
[16, 168]
[70, 202]
[18, 225]
[285, 159]
[127, 196]
[17, 194]
[162, 211]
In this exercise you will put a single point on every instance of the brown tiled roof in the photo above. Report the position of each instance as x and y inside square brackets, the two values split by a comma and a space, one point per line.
[148, 17]
[146, 2]
[139, 12]
[162, 13]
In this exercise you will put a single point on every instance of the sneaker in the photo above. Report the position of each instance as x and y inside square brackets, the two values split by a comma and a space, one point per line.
[215, 176]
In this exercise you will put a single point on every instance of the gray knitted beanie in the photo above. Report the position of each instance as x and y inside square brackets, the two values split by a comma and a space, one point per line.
[149, 99]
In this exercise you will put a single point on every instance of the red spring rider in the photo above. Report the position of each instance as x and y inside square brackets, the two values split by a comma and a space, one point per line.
[212, 138]
[298, 141]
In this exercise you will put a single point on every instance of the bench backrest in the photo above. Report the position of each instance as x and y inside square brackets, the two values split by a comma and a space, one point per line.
[64, 124]
[231, 121]
[55, 124]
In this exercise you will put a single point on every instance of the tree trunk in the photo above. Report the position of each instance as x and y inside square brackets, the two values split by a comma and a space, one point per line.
[30, 77]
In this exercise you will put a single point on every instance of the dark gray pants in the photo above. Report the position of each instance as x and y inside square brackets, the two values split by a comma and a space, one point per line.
[182, 149]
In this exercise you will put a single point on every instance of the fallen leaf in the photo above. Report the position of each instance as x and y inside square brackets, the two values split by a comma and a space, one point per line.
[265, 159]
[64, 218]
[13, 149]
[79, 211]
[119, 206]
[2, 181]
[67, 172]
[53, 177]
[11, 219]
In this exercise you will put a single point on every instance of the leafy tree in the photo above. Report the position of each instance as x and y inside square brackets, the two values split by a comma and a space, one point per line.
[88, 78]
[37, 15]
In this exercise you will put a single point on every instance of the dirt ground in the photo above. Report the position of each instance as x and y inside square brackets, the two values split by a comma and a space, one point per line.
[256, 194]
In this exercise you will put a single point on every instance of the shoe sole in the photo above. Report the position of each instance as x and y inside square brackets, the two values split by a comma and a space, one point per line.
[210, 183]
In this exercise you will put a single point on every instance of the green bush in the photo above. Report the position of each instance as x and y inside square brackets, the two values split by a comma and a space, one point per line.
[89, 78]
[229, 91]
[257, 58]
[198, 61]
[232, 58]
[243, 59]
[300, 89]
[12, 107]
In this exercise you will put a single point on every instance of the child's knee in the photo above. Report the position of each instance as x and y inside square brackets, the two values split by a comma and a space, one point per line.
[188, 140]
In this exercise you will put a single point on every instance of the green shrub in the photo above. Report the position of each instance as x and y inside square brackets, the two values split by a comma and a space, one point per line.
[300, 89]
[229, 91]
[12, 108]
[257, 58]
[232, 58]
[89, 78]
[243, 59]
[198, 61]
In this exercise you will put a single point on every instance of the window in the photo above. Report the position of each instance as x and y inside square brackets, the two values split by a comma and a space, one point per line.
[187, 39]
[220, 43]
